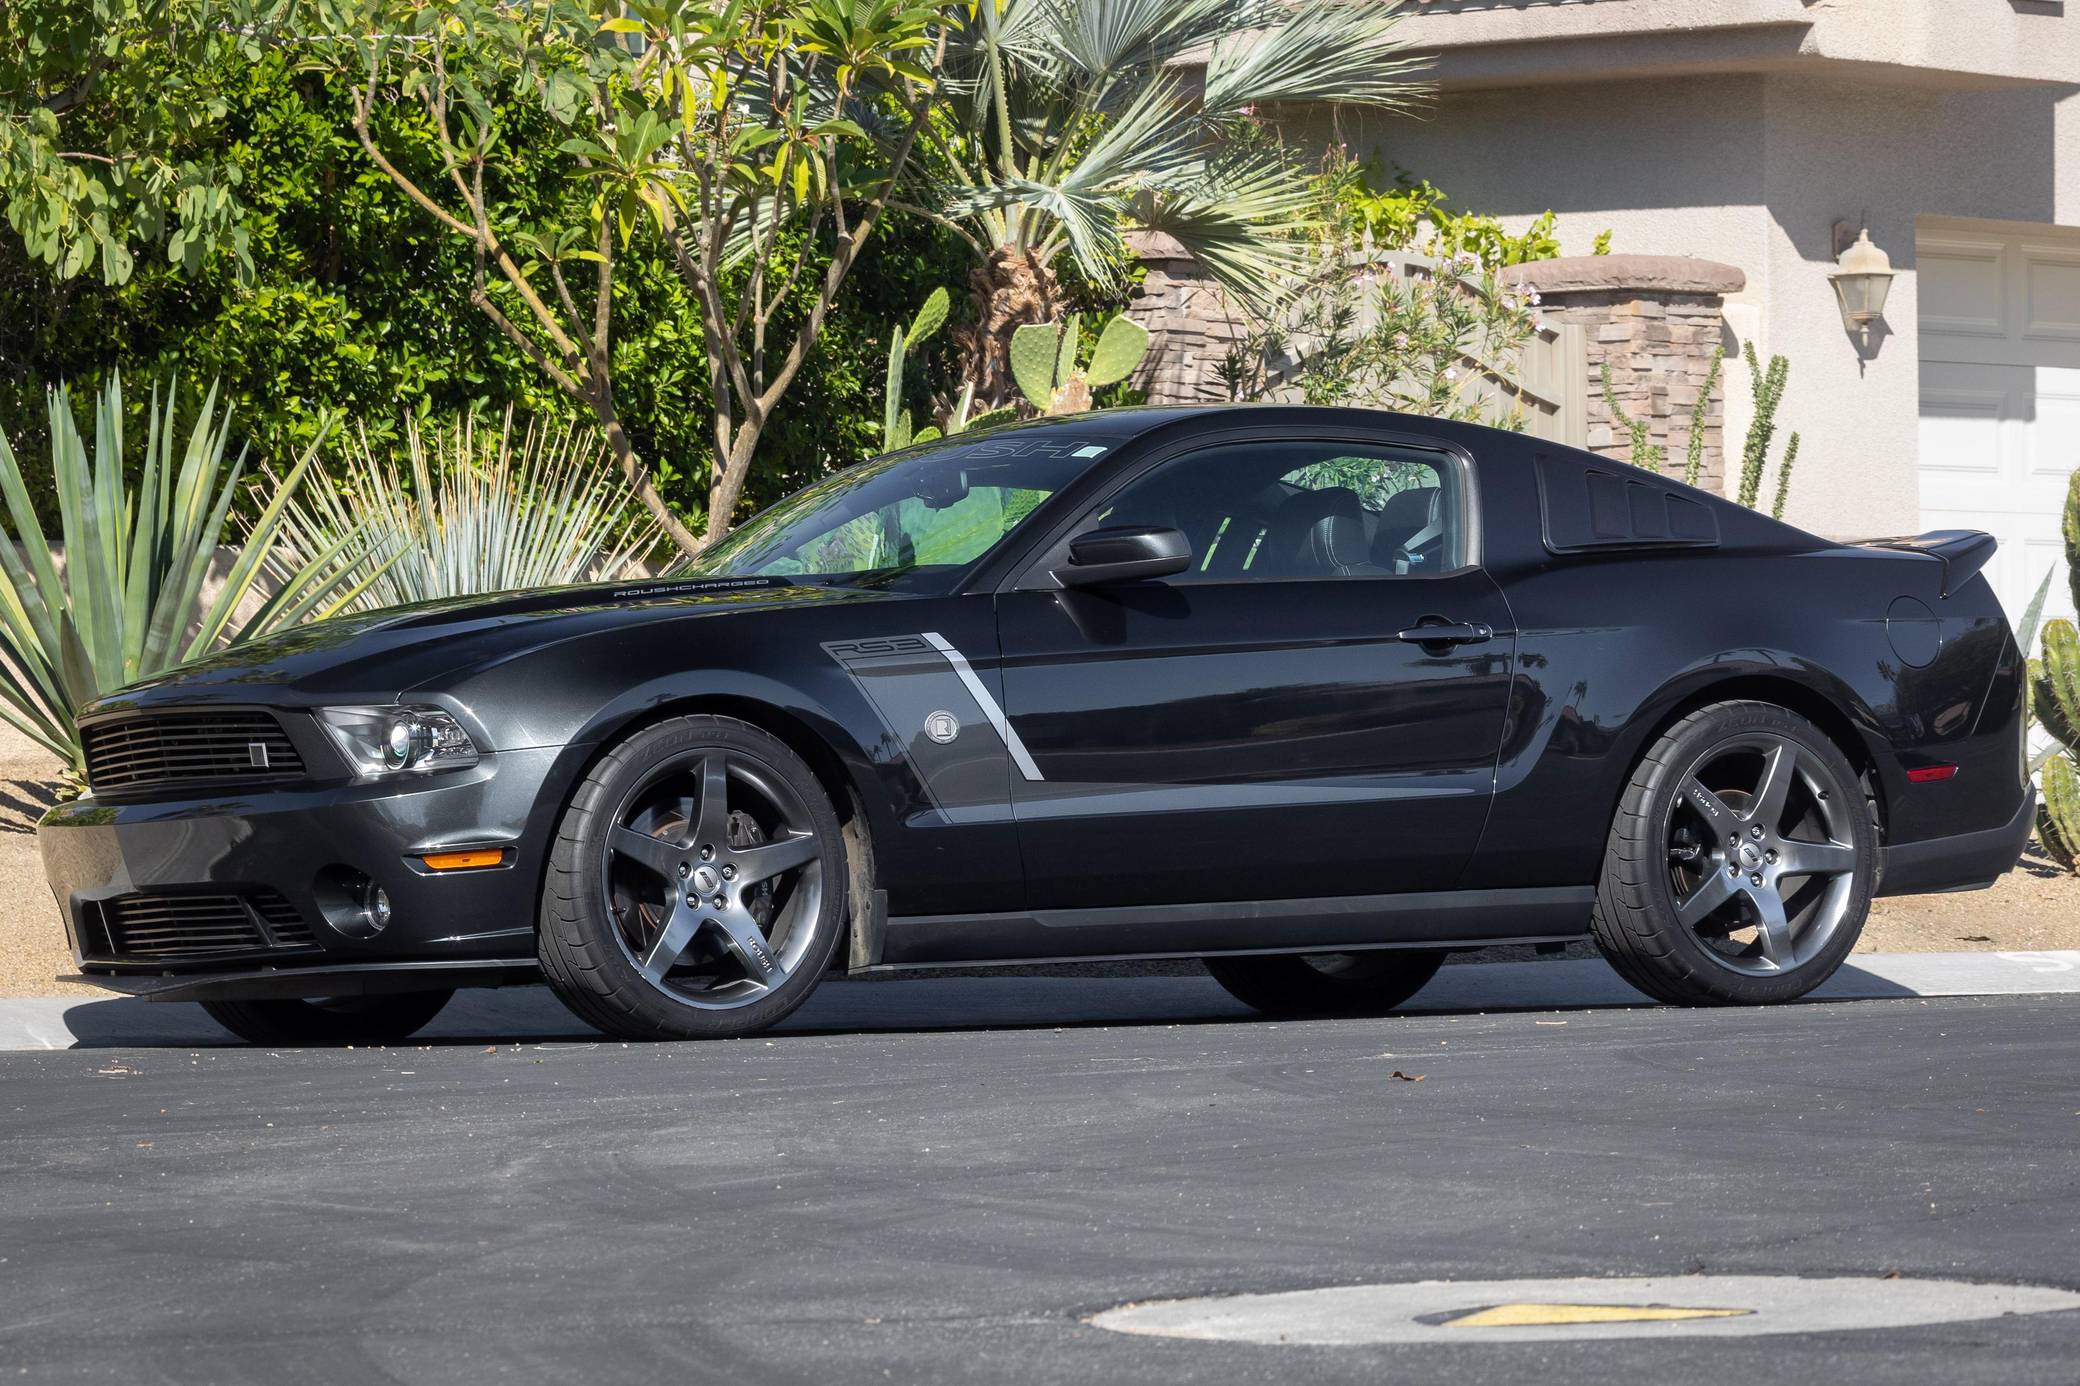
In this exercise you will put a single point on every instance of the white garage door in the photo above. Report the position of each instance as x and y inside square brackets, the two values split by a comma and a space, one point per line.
[2000, 391]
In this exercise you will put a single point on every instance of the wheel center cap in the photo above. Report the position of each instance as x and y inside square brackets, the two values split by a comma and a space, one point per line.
[705, 880]
[1751, 855]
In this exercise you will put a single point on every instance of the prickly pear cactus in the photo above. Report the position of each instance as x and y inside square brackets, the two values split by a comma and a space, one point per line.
[895, 419]
[1043, 362]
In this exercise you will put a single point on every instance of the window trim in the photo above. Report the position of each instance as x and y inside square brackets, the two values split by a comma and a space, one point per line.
[1034, 571]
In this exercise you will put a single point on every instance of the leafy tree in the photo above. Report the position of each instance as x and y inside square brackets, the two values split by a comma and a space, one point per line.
[738, 134]
[359, 304]
[109, 115]
[1068, 122]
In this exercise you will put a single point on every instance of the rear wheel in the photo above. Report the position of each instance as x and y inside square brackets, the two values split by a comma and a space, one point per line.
[1741, 863]
[696, 888]
[1326, 984]
[330, 1020]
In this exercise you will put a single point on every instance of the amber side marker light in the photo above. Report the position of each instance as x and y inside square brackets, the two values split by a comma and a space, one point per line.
[463, 861]
[1929, 774]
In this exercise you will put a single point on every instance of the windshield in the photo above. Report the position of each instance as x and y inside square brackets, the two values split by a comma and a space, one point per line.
[910, 519]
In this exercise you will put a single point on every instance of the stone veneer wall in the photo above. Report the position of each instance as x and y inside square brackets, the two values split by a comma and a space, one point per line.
[1655, 320]
[1192, 325]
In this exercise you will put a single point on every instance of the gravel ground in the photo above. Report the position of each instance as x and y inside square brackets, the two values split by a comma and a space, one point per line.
[2033, 908]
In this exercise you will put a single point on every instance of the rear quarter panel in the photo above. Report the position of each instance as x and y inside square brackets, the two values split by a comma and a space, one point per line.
[1612, 648]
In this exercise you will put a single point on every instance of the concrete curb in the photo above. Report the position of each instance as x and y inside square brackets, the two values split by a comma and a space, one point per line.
[951, 1003]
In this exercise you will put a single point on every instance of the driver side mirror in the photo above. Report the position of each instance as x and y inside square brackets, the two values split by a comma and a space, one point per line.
[1124, 553]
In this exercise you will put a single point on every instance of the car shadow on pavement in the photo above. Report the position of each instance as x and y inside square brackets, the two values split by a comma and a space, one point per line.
[899, 1004]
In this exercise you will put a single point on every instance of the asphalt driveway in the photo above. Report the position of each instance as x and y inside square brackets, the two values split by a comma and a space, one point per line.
[952, 1204]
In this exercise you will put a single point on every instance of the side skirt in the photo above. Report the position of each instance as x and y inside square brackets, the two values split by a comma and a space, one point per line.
[1455, 918]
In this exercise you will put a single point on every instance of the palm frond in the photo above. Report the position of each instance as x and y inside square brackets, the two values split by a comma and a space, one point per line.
[1348, 51]
[1243, 220]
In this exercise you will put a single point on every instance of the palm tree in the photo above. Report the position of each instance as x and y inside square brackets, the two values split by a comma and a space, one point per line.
[1075, 121]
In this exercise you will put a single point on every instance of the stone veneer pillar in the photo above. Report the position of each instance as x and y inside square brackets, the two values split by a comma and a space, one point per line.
[1655, 320]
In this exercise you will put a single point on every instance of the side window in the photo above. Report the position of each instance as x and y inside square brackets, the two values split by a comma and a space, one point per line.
[1303, 510]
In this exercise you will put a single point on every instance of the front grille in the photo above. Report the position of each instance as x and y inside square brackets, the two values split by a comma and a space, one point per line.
[181, 926]
[128, 754]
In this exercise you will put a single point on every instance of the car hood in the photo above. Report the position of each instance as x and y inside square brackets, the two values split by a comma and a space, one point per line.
[381, 654]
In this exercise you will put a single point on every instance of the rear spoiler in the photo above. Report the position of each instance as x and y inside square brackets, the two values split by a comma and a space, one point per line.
[1962, 552]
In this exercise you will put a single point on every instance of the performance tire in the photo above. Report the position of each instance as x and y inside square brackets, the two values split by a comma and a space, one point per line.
[696, 888]
[1741, 862]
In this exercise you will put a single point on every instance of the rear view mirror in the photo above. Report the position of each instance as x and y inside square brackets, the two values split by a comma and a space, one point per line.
[1124, 553]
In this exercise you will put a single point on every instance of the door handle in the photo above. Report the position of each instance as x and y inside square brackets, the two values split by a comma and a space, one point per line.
[1447, 634]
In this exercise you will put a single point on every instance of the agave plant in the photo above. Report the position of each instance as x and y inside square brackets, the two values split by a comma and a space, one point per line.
[475, 510]
[124, 598]
[1071, 122]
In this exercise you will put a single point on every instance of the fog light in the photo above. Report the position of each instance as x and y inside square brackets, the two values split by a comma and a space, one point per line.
[375, 908]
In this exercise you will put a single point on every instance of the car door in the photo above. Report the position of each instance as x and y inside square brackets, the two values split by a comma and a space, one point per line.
[1273, 722]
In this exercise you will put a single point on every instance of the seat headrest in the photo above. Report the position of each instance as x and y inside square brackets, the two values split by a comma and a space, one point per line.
[1413, 509]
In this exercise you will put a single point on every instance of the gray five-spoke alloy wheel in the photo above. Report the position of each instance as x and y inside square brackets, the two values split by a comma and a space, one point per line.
[1765, 868]
[715, 878]
[697, 885]
[1741, 861]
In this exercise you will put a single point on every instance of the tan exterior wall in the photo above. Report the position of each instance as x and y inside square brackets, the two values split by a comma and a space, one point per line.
[1753, 169]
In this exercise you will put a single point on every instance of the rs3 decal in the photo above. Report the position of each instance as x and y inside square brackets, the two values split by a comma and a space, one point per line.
[944, 719]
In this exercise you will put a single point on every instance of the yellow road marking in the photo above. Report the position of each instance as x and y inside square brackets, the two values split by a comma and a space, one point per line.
[1545, 1315]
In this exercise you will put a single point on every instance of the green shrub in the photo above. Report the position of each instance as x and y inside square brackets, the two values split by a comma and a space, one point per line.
[129, 603]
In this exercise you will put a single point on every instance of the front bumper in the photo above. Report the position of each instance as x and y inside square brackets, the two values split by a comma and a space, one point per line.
[283, 853]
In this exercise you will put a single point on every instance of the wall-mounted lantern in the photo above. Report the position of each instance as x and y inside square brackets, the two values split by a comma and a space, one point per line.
[1862, 278]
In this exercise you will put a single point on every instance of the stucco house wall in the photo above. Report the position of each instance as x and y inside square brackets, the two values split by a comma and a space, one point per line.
[1740, 131]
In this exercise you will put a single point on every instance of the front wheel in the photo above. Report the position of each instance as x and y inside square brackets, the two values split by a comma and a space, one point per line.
[697, 885]
[1741, 863]
[330, 1020]
[1326, 984]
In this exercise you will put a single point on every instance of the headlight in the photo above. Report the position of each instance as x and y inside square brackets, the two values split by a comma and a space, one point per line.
[398, 740]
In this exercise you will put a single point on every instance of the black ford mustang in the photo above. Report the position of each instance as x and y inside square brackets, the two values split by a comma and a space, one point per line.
[1316, 695]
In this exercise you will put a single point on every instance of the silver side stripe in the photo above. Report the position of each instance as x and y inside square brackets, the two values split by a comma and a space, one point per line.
[983, 700]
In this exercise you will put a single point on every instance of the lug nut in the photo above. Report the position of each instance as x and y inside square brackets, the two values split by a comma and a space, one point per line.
[1770, 857]
[685, 869]
[707, 853]
[693, 902]
[1733, 871]
[1755, 879]
[721, 903]
[1756, 832]
[729, 873]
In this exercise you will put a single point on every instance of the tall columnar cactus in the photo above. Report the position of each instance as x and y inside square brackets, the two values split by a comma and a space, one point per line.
[2055, 703]
[1043, 362]
[1768, 387]
[1693, 460]
[1646, 455]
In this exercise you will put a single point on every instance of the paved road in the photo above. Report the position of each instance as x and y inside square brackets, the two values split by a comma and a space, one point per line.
[949, 1205]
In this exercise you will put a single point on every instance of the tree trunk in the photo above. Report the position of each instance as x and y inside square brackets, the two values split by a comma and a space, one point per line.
[1012, 288]
[728, 487]
[644, 486]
